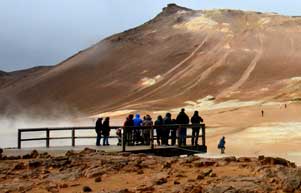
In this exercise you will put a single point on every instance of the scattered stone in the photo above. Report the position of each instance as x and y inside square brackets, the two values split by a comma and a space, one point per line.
[161, 181]
[34, 163]
[87, 189]
[26, 156]
[97, 179]
[44, 155]
[70, 153]
[206, 172]
[124, 191]
[291, 183]
[176, 182]
[230, 159]
[261, 157]
[145, 189]
[19, 166]
[200, 177]
[94, 172]
[167, 165]
[34, 154]
[244, 159]
[57, 162]
[205, 163]
[74, 185]
[125, 154]
[64, 186]
[277, 161]
[87, 151]
[13, 157]
[180, 176]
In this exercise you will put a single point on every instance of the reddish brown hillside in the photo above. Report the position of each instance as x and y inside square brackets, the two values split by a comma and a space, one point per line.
[178, 56]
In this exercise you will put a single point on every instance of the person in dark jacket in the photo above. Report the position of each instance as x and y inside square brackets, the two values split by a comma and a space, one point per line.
[173, 132]
[98, 130]
[159, 122]
[195, 119]
[128, 132]
[183, 119]
[221, 145]
[146, 132]
[166, 130]
[106, 131]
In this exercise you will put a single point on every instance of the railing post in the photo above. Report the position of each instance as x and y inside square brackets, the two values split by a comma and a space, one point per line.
[19, 139]
[179, 135]
[73, 137]
[203, 135]
[47, 137]
[124, 136]
[152, 137]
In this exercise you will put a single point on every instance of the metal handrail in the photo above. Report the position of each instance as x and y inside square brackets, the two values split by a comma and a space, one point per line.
[124, 129]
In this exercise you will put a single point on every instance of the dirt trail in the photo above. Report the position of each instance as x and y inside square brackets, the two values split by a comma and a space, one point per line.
[247, 73]
[164, 81]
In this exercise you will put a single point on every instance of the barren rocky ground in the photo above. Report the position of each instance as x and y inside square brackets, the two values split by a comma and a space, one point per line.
[96, 171]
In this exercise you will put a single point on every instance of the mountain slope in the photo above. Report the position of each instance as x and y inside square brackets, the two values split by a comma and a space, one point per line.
[181, 55]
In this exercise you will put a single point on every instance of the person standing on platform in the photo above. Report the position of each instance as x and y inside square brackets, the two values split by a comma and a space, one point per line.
[159, 122]
[166, 130]
[98, 130]
[173, 132]
[195, 119]
[128, 132]
[137, 131]
[106, 131]
[146, 131]
[182, 119]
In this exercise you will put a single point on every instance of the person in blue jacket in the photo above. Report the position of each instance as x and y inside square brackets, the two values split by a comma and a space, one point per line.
[137, 133]
[221, 145]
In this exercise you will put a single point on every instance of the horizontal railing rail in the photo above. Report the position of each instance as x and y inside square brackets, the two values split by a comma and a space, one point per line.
[124, 129]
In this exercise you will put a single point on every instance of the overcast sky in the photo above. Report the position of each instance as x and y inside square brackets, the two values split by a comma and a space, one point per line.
[45, 32]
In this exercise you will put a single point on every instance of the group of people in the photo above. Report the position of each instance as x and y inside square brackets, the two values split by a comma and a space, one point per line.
[164, 129]
[137, 132]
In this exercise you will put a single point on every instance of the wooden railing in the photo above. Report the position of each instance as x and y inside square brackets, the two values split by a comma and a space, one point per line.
[124, 140]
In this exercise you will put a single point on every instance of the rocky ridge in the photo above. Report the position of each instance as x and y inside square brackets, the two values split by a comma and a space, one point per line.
[97, 171]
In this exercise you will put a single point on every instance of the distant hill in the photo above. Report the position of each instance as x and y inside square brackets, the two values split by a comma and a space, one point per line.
[180, 55]
[2, 73]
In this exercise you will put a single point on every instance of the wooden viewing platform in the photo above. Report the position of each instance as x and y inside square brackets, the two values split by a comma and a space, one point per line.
[124, 142]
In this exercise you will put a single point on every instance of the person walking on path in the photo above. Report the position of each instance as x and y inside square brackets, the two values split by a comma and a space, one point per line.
[98, 130]
[221, 145]
[262, 113]
[195, 119]
[106, 131]
[159, 122]
[182, 119]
